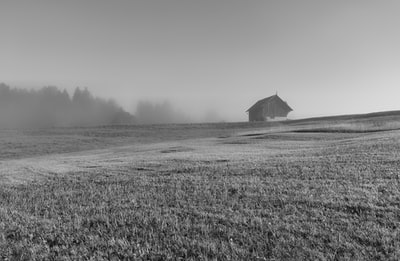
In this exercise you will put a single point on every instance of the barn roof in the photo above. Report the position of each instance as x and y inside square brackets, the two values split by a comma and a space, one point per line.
[269, 99]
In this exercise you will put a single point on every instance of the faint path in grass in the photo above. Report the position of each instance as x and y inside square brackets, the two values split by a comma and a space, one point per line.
[213, 150]
[248, 149]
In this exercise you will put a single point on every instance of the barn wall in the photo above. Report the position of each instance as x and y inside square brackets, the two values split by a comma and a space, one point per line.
[275, 109]
[256, 115]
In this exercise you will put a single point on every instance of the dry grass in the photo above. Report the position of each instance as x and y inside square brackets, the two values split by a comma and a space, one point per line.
[268, 196]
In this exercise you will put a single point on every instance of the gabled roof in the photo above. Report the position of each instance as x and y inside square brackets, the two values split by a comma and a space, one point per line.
[269, 99]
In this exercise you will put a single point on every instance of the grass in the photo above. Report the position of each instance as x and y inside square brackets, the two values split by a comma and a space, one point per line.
[36, 142]
[268, 196]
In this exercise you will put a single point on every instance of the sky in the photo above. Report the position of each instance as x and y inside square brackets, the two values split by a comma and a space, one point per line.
[322, 57]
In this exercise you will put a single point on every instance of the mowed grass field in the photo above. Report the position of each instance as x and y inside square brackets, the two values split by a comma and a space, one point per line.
[318, 189]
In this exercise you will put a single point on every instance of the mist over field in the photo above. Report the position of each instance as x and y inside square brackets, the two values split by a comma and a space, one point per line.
[51, 107]
[150, 112]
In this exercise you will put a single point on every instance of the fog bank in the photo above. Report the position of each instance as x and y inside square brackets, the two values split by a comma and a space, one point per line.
[165, 112]
[51, 107]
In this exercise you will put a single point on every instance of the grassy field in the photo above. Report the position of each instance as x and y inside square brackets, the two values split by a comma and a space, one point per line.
[322, 189]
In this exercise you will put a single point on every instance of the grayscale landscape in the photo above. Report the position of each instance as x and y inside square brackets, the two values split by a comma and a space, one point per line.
[199, 130]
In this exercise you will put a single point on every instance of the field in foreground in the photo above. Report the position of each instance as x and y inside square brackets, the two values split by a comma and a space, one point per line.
[301, 191]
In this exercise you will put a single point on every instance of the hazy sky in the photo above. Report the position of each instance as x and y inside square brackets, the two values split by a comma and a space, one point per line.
[323, 57]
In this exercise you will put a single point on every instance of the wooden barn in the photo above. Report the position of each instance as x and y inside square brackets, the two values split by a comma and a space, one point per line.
[270, 107]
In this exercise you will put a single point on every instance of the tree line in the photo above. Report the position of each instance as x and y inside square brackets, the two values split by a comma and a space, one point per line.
[51, 107]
